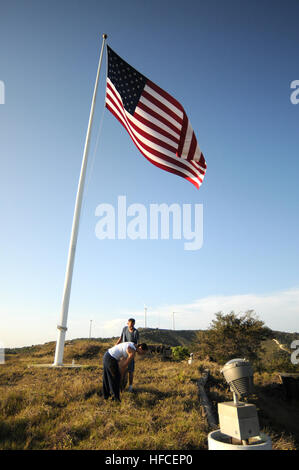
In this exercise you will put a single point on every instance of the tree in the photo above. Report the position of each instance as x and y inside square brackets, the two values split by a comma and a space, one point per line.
[231, 336]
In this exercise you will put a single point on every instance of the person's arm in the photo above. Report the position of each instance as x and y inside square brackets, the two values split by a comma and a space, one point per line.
[123, 365]
[120, 339]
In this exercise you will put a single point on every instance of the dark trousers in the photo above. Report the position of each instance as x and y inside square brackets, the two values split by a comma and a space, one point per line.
[111, 377]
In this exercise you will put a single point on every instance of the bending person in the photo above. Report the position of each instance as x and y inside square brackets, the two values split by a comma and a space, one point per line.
[115, 364]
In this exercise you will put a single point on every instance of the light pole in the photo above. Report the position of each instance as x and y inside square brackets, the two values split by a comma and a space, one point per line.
[173, 323]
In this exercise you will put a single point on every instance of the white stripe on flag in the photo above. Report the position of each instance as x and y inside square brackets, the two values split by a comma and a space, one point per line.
[160, 112]
[163, 100]
[188, 140]
[151, 131]
[152, 119]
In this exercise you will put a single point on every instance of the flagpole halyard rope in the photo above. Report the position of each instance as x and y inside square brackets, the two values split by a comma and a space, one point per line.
[92, 160]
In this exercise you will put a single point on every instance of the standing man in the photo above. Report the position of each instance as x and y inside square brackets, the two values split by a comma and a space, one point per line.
[129, 333]
[115, 363]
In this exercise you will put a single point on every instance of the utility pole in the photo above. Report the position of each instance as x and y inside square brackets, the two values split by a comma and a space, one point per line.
[90, 329]
[145, 312]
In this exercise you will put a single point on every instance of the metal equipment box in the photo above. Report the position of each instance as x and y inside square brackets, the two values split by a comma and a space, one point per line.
[238, 420]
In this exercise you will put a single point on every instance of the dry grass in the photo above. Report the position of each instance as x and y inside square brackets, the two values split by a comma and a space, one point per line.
[44, 408]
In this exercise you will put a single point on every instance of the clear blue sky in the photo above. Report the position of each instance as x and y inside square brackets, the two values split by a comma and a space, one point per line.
[230, 64]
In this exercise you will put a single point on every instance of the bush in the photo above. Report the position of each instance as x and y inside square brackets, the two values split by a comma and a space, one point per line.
[179, 353]
[231, 336]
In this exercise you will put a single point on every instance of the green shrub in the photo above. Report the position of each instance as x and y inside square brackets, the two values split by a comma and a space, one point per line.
[234, 335]
[179, 353]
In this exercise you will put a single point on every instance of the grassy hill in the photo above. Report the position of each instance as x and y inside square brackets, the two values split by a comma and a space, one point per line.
[274, 356]
[168, 337]
[156, 336]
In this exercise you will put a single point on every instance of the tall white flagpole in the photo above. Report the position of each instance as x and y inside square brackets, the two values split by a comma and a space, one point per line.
[58, 360]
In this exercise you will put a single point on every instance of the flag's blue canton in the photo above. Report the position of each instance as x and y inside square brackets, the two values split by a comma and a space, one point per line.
[128, 82]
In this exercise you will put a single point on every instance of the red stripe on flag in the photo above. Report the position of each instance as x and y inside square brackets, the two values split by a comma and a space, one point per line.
[156, 128]
[152, 138]
[202, 161]
[183, 135]
[116, 97]
[162, 106]
[157, 116]
[196, 166]
[165, 95]
[192, 148]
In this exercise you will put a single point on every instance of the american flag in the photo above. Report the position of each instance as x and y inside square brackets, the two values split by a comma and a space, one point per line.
[155, 121]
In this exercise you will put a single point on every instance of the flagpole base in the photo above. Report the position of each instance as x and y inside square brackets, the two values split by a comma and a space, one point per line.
[58, 360]
[64, 366]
